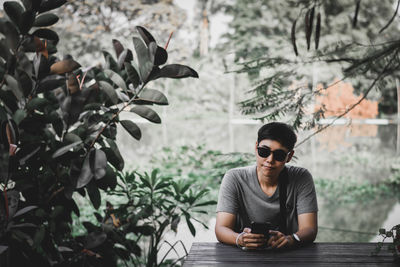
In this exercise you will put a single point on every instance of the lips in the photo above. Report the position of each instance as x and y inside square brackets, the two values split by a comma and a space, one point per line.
[268, 167]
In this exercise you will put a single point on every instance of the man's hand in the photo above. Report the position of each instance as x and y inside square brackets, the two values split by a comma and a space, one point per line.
[252, 241]
[279, 240]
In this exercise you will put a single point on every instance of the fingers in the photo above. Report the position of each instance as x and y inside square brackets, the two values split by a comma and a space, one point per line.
[250, 240]
[277, 240]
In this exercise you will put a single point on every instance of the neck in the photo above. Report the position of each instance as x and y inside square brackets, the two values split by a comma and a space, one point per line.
[267, 181]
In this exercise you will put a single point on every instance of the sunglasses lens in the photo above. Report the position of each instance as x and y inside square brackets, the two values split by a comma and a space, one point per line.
[264, 152]
[279, 155]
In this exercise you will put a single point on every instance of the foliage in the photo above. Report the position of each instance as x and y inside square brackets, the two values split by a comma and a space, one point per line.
[87, 23]
[345, 189]
[394, 234]
[286, 86]
[197, 164]
[152, 205]
[58, 130]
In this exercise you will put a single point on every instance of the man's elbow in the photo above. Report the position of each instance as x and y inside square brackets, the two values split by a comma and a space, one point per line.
[313, 234]
[217, 230]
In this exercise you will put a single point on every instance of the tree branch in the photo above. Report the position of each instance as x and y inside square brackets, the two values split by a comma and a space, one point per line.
[114, 116]
[380, 76]
[393, 17]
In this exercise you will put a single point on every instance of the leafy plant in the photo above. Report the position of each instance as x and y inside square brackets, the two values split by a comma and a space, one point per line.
[394, 234]
[154, 205]
[287, 77]
[198, 164]
[58, 132]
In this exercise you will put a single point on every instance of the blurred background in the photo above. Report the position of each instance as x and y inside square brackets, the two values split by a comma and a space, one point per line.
[204, 130]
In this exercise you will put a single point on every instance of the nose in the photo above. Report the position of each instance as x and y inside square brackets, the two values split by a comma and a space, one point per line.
[270, 158]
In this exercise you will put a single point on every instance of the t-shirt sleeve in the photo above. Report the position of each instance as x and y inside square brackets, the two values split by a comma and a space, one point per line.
[306, 195]
[228, 194]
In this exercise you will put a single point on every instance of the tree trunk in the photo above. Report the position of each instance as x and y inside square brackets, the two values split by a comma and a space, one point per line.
[398, 116]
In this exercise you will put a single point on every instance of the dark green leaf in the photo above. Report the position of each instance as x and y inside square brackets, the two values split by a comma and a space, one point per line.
[95, 239]
[99, 218]
[11, 34]
[27, 4]
[64, 249]
[114, 157]
[71, 138]
[124, 254]
[39, 236]
[161, 56]
[86, 174]
[19, 115]
[146, 113]
[145, 181]
[143, 56]
[118, 47]
[176, 71]
[144, 229]
[145, 34]
[26, 22]
[51, 82]
[132, 74]
[25, 81]
[109, 90]
[41, 66]
[37, 103]
[98, 163]
[23, 225]
[191, 227]
[45, 20]
[110, 61]
[46, 34]
[161, 185]
[57, 211]
[13, 10]
[90, 227]
[4, 50]
[24, 210]
[14, 86]
[151, 96]
[94, 194]
[50, 5]
[132, 129]
[126, 56]
[31, 153]
[207, 203]
[3, 248]
[116, 79]
[184, 188]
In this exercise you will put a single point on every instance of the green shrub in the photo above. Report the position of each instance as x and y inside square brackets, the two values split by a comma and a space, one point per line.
[58, 130]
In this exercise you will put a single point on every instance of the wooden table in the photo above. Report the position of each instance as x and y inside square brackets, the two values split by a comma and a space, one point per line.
[317, 254]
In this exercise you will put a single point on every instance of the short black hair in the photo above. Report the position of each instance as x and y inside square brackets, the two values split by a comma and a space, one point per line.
[280, 132]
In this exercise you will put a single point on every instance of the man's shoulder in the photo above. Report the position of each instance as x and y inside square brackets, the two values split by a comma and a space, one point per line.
[241, 173]
[298, 174]
[297, 171]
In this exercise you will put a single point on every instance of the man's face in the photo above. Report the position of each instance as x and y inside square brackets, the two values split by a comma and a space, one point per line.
[269, 166]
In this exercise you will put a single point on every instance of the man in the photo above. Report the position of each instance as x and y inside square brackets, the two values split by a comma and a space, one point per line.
[252, 194]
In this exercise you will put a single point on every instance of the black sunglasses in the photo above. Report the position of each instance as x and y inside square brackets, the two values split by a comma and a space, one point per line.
[279, 154]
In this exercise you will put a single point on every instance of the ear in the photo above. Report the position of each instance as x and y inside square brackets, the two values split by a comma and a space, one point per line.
[255, 148]
[290, 156]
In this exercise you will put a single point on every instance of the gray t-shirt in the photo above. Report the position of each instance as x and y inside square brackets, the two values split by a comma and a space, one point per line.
[241, 194]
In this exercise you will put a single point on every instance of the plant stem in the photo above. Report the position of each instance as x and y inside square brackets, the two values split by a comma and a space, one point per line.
[113, 117]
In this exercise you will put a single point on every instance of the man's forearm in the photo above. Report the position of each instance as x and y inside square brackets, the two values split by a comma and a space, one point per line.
[307, 234]
[226, 235]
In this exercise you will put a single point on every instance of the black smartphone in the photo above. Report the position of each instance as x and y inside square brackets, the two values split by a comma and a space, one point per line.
[261, 228]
